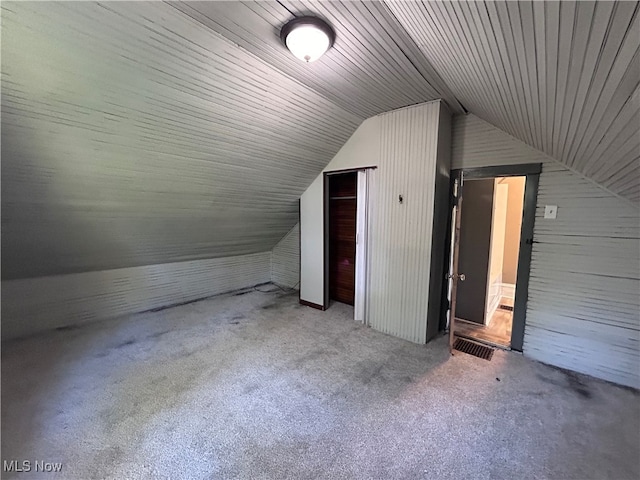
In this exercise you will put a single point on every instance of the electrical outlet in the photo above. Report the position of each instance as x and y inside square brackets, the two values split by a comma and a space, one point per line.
[550, 211]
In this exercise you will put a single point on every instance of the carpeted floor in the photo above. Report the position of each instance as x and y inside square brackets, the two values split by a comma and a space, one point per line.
[255, 386]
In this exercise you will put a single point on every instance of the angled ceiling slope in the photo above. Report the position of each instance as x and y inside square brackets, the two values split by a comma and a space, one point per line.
[561, 76]
[132, 135]
[145, 132]
[149, 132]
[373, 67]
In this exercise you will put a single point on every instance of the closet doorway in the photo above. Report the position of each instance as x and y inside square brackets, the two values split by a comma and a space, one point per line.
[343, 202]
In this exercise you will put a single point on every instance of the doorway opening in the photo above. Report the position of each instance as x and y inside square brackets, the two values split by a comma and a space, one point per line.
[342, 236]
[347, 197]
[489, 247]
[490, 254]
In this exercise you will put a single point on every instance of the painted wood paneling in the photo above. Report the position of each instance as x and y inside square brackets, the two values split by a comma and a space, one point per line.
[135, 135]
[583, 311]
[285, 260]
[33, 305]
[403, 145]
[373, 67]
[564, 77]
[361, 150]
[402, 232]
[476, 143]
[141, 133]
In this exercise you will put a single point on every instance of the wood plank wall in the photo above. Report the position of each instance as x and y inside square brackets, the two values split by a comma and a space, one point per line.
[583, 311]
[285, 260]
[410, 148]
[403, 232]
[34, 305]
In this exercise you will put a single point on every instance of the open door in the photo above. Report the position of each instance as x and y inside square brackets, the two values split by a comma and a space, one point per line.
[507, 324]
[474, 250]
[454, 276]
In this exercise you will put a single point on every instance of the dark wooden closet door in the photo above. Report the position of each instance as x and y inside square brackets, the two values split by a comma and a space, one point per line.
[342, 237]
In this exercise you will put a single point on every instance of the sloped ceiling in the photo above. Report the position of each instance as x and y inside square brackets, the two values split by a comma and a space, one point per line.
[131, 135]
[561, 76]
[373, 67]
[136, 133]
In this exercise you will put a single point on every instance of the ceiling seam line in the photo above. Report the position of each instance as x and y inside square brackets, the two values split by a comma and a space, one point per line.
[440, 79]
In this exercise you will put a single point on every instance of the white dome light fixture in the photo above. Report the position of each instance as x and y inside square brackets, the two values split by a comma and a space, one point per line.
[308, 38]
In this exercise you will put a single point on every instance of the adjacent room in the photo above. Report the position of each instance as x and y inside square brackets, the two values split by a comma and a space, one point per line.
[320, 239]
[490, 236]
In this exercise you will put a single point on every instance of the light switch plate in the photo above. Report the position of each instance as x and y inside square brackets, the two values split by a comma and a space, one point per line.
[550, 211]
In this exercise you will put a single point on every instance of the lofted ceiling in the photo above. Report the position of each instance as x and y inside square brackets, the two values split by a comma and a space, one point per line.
[563, 77]
[136, 133]
[373, 67]
[132, 134]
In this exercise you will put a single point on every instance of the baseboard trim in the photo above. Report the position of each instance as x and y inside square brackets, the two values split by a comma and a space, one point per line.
[508, 290]
[311, 304]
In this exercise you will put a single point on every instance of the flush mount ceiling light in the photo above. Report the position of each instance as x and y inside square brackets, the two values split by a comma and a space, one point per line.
[307, 37]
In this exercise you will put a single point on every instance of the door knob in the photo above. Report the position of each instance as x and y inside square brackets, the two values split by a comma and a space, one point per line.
[462, 277]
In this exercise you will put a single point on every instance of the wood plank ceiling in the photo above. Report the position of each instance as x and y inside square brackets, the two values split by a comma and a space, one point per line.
[132, 135]
[373, 67]
[563, 77]
[136, 133]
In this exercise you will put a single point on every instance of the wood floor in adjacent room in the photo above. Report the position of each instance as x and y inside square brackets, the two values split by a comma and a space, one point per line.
[253, 385]
[497, 332]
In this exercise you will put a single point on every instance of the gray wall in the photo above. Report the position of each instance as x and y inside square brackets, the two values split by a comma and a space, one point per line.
[133, 135]
[439, 264]
[583, 311]
[34, 305]
[285, 260]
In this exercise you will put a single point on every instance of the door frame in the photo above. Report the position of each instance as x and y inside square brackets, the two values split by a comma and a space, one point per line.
[325, 226]
[532, 173]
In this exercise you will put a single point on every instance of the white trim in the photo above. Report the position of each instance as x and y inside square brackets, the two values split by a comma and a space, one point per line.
[504, 290]
[362, 246]
[508, 290]
[494, 295]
